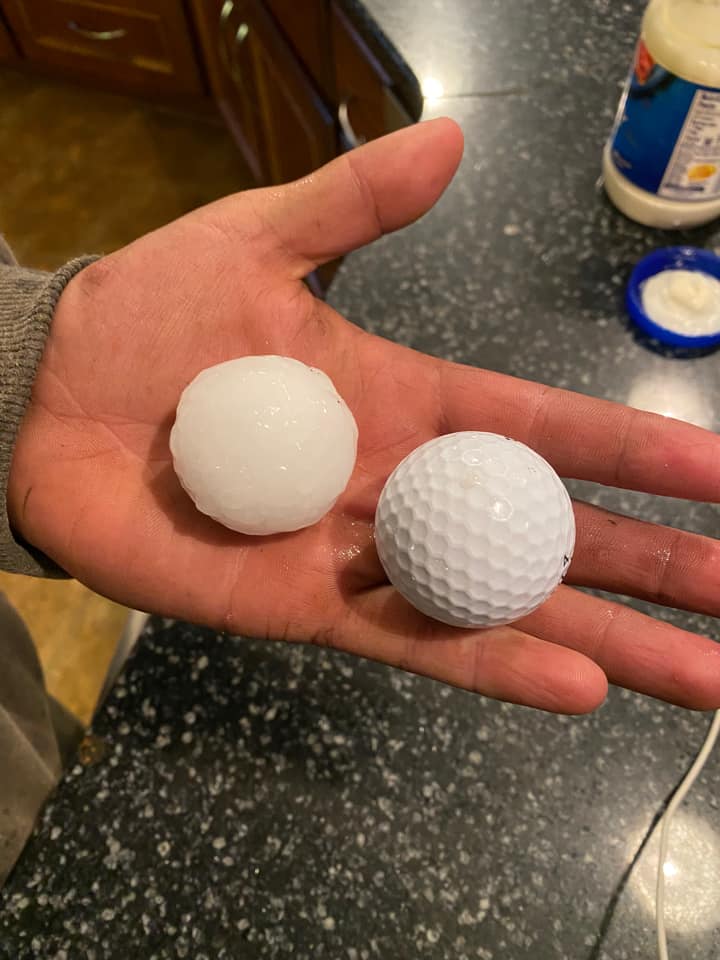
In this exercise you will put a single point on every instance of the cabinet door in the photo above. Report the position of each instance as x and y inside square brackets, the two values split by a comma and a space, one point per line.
[307, 27]
[298, 127]
[268, 99]
[132, 44]
[7, 47]
[234, 78]
[367, 104]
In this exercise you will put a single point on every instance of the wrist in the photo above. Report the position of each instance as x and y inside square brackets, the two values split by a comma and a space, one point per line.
[28, 311]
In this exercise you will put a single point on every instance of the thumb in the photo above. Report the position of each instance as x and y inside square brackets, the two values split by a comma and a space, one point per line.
[361, 195]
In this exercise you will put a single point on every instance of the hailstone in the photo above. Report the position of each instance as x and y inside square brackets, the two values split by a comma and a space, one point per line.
[263, 444]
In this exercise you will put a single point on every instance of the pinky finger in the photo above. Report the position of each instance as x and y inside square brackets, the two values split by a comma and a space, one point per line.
[635, 651]
[503, 662]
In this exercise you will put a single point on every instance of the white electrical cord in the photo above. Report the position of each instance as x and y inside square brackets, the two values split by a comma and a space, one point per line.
[677, 799]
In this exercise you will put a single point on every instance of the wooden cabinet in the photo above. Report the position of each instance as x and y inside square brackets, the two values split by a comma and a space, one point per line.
[298, 127]
[368, 104]
[132, 44]
[306, 26]
[281, 121]
[224, 28]
[297, 81]
[7, 47]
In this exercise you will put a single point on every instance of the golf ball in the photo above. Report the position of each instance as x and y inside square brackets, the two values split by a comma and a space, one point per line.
[475, 529]
[263, 444]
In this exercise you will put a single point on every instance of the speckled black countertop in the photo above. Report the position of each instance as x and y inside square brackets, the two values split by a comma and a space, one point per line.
[251, 800]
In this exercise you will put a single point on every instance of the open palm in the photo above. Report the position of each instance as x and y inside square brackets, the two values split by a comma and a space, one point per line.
[92, 483]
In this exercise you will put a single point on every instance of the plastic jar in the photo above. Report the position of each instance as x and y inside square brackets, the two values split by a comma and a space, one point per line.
[661, 165]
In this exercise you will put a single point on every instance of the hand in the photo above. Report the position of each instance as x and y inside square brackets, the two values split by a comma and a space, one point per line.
[92, 484]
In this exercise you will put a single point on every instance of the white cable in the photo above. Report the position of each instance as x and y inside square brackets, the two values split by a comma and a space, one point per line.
[677, 799]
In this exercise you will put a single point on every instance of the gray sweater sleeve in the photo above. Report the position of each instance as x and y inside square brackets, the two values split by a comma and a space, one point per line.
[27, 302]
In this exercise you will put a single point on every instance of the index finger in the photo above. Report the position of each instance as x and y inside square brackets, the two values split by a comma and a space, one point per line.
[585, 438]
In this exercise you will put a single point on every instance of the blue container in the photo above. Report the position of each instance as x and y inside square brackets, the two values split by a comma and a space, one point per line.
[670, 258]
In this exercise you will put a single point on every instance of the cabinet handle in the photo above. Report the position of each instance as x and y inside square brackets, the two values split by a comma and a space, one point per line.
[242, 31]
[96, 34]
[225, 45]
[346, 127]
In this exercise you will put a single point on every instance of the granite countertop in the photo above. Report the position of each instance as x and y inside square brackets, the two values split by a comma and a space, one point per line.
[254, 800]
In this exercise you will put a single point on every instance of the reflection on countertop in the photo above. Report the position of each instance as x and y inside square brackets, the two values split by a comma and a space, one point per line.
[672, 393]
[488, 47]
[692, 875]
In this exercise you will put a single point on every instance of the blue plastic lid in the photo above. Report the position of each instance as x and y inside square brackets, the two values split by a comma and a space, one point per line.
[670, 258]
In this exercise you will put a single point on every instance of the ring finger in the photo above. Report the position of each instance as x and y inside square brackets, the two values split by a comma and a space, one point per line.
[644, 560]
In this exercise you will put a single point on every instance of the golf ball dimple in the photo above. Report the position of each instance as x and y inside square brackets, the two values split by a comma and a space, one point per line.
[475, 529]
[263, 444]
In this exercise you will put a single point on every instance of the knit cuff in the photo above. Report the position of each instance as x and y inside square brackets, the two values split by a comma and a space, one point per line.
[27, 302]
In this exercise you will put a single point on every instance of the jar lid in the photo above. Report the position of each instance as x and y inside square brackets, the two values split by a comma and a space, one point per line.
[670, 258]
